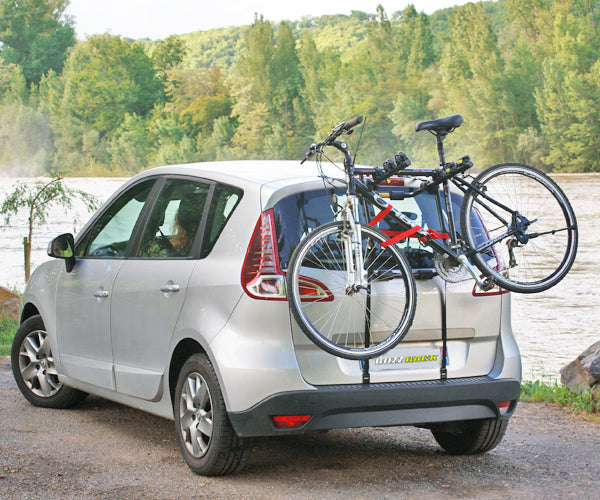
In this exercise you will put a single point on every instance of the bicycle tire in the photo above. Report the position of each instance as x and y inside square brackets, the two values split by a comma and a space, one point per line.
[539, 256]
[338, 322]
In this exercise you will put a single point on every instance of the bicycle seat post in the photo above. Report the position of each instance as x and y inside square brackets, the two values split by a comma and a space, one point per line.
[440, 147]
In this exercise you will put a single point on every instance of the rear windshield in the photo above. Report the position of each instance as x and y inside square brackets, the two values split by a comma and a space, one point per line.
[300, 213]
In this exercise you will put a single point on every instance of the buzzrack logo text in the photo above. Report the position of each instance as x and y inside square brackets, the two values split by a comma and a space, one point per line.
[406, 359]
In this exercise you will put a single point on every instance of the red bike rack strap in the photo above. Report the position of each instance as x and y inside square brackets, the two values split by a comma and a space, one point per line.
[379, 217]
[395, 236]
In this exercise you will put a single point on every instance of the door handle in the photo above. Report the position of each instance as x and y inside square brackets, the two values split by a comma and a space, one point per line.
[170, 288]
[101, 294]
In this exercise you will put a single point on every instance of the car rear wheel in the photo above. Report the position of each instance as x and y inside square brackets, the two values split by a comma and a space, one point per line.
[471, 436]
[34, 369]
[208, 443]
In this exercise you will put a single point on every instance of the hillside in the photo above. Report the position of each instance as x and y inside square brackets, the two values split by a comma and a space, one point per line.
[339, 33]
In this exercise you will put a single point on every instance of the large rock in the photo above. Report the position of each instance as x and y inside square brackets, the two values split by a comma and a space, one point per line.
[584, 372]
[9, 304]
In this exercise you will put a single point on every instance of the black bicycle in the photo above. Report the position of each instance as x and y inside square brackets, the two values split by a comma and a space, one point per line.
[352, 290]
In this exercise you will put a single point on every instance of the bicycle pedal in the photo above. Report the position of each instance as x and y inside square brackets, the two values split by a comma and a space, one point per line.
[487, 285]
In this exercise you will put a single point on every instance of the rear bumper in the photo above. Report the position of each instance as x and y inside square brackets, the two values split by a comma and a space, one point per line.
[387, 404]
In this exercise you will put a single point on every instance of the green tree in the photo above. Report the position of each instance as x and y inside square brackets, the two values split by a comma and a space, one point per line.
[568, 98]
[168, 53]
[107, 77]
[251, 91]
[474, 74]
[36, 200]
[200, 98]
[418, 87]
[35, 34]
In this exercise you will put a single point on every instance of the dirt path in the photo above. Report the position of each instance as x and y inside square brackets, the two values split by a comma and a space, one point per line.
[104, 450]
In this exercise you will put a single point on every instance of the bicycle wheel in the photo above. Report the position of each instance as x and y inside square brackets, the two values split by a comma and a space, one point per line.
[351, 324]
[535, 240]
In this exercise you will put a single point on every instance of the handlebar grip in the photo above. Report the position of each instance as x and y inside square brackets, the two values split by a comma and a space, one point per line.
[349, 125]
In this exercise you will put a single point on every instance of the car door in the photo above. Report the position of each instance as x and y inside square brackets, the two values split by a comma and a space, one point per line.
[150, 289]
[84, 295]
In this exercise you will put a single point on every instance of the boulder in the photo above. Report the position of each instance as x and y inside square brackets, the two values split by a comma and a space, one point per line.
[583, 372]
[9, 304]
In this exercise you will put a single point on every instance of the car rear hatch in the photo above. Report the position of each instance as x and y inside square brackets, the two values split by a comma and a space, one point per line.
[472, 317]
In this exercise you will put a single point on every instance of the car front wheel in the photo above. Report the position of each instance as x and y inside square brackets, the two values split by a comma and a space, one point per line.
[34, 369]
[208, 442]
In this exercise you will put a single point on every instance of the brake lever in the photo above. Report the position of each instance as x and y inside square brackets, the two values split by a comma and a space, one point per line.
[309, 153]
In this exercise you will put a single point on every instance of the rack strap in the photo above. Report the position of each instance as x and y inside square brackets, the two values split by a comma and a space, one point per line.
[379, 217]
[395, 236]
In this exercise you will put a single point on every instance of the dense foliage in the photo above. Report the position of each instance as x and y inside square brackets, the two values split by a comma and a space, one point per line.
[525, 74]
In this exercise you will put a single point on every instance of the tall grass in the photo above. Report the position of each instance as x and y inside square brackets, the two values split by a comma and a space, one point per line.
[587, 402]
[8, 328]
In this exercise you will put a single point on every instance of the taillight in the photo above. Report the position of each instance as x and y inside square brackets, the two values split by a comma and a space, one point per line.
[290, 421]
[262, 277]
[503, 407]
[313, 291]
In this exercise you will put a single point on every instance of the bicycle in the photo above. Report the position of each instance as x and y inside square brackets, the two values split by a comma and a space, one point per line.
[352, 290]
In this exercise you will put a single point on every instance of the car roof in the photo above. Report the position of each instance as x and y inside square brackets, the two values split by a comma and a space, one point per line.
[257, 172]
[269, 179]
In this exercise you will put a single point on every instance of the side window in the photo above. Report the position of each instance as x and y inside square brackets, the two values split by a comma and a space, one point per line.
[174, 221]
[224, 201]
[109, 236]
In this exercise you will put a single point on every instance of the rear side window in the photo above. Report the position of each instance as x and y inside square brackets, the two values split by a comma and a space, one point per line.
[298, 214]
[224, 200]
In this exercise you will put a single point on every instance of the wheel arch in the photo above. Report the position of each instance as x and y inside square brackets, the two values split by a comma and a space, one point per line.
[184, 349]
[28, 311]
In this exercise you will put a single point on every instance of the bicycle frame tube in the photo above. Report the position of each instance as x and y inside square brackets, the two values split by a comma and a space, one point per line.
[414, 229]
[357, 187]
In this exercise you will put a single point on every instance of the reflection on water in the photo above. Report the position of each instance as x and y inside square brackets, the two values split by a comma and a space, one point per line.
[552, 327]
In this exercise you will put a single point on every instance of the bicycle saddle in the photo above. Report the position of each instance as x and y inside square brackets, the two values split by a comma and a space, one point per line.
[441, 126]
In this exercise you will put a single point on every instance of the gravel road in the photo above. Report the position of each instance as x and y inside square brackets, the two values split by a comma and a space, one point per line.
[105, 450]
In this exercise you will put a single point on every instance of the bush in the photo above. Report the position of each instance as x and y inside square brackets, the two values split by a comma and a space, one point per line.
[8, 328]
[587, 401]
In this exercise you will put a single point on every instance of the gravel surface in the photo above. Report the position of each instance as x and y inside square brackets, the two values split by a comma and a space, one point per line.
[105, 450]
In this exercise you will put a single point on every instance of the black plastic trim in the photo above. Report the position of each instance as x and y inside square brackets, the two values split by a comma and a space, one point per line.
[386, 404]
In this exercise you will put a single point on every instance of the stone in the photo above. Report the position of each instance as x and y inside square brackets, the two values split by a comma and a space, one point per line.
[583, 372]
[9, 304]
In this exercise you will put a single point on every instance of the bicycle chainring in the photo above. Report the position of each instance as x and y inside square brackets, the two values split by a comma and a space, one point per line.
[449, 270]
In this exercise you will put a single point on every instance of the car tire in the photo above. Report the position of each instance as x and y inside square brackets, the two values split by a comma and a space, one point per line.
[34, 370]
[208, 442]
[471, 436]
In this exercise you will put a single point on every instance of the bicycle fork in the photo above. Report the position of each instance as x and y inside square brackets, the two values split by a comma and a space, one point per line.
[355, 273]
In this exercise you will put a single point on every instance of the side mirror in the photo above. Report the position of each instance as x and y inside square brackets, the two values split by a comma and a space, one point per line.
[62, 247]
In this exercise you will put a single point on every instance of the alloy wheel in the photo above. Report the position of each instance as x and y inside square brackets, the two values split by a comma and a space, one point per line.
[196, 415]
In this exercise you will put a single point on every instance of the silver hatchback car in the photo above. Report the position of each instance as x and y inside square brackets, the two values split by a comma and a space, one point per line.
[172, 300]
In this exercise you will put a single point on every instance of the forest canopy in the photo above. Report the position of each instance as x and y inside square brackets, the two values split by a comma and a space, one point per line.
[525, 74]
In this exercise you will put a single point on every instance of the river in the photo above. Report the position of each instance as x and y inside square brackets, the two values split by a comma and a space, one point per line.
[551, 328]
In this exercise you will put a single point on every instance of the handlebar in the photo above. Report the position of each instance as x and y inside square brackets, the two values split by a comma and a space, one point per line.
[349, 125]
[342, 128]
